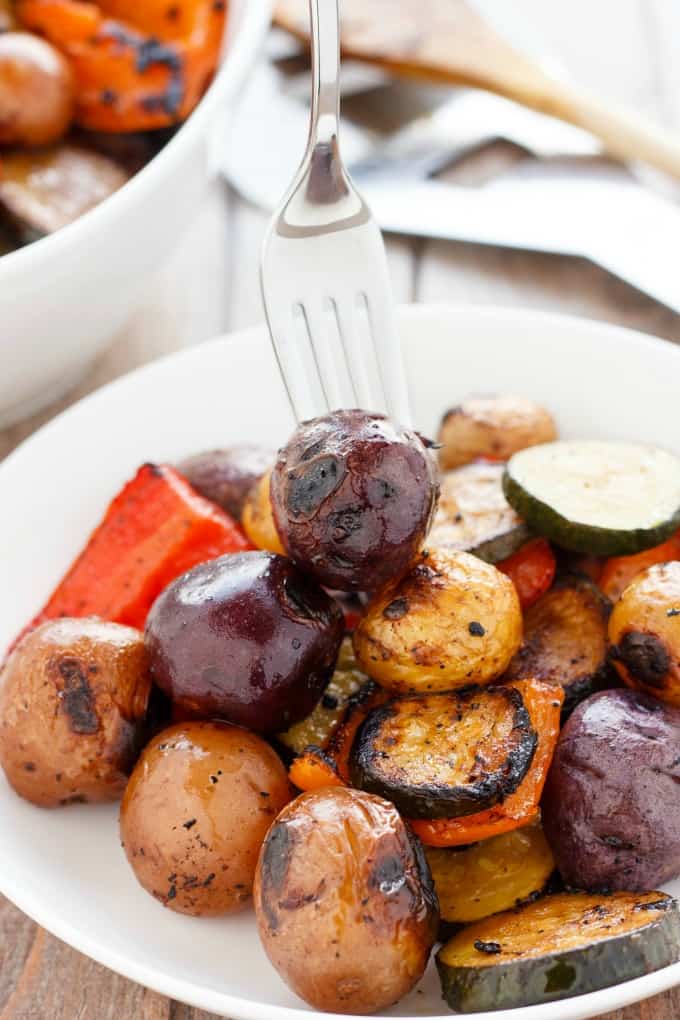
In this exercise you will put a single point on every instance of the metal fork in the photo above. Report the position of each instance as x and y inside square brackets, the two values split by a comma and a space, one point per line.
[324, 273]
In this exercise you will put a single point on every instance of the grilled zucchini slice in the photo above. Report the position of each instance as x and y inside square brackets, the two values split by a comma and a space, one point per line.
[491, 876]
[559, 946]
[604, 499]
[565, 640]
[445, 755]
[474, 515]
[319, 726]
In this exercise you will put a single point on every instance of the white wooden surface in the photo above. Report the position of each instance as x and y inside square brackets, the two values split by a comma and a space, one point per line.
[627, 49]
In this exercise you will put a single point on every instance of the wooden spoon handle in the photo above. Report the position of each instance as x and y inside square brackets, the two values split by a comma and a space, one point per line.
[624, 133]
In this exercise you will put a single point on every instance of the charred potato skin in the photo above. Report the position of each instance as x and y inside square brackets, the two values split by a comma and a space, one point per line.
[485, 785]
[73, 701]
[453, 621]
[195, 814]
[611, 804]
[345, 903]
[245, 637]
[37, 89]
[354, 497]
[227, 475]
[644, 631]
[495, 426]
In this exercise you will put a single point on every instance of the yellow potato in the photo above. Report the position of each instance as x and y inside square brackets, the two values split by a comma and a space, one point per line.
[644, 630]
[493, 427]
[451, 622]
[257, 518]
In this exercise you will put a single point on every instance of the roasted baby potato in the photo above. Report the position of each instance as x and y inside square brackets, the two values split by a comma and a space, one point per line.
[353, 497]
[195, 813]
[644, 630]
[246, 637]
[344, 899]
[37, 90]
[494, 427]
[476, 881]
[73, 700]
[227, 476]
[257, 517]
[611, 804]
[474, 515]
[445, 755]
[565, 640]
[451, 622]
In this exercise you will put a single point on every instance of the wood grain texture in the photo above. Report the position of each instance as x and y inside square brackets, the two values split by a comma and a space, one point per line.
[627, 50]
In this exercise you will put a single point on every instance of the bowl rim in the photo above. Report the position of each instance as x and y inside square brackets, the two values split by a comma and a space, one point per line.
[245, 33]
[228, 1004]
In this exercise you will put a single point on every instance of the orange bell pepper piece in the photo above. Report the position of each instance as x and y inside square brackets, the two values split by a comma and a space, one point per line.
[531, 569]
[156, 528]
[619, 571]
[137, 65]
[315, 768]
[543, 702]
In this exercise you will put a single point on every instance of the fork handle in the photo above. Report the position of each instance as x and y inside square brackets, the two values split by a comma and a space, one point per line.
[325, 120]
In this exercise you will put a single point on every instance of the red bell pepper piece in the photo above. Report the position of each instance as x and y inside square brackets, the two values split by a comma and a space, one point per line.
[156, 528]
[531, 570]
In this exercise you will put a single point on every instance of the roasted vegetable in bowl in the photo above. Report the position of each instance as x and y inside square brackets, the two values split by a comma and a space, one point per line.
[73, 701]
[344, 900]
[451, 622]
[494, 427]
[562, 945]
[247, 638]
[353, 497]
[195, 814]
[611, 805]
[644, 630]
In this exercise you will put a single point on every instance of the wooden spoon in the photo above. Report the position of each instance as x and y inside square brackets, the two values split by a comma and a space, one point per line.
[447, 42]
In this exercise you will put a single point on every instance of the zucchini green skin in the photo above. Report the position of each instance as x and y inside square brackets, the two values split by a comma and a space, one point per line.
[501, 547]
[582, 538]
[370, 772]
[562, 975]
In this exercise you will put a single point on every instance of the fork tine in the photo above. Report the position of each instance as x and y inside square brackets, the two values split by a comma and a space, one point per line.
[385, 339]
[329, 355]
[356, 354]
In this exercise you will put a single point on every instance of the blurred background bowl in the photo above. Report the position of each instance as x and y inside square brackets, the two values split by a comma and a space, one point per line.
[65, 296]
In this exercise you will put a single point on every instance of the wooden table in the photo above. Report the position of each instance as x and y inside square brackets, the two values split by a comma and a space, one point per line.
[627, 49]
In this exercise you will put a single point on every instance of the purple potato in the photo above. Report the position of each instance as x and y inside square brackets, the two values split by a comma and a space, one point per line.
[611, 804]
[353, 497]
[247, 638]
[227, 476]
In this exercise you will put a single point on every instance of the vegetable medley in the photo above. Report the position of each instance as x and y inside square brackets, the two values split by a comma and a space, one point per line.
[88, 93]
[392, 692]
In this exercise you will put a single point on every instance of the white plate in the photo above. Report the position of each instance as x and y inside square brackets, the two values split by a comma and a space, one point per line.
[65, 868]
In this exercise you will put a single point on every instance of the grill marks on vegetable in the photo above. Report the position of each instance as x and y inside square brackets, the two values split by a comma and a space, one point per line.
[645, 655]
[312, 484]
[447, 755]
[77, 696]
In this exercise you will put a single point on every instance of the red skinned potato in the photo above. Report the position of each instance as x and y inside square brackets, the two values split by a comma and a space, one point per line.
[611, 804]
[245, 637]
[345, 904]
[226, 476]
[73, 702]
[195, 813]
[353, 497]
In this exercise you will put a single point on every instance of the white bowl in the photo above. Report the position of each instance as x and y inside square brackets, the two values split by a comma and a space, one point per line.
[64, 297]
[66, 868]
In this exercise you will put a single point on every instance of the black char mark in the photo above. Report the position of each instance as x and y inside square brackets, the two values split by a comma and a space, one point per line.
[645, 655]
[77, 697]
